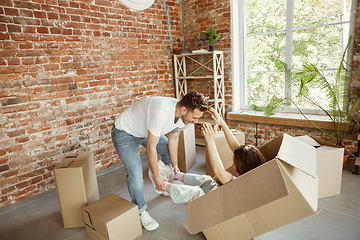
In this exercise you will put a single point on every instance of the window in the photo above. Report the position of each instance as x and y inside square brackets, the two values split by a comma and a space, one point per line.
[293, 31]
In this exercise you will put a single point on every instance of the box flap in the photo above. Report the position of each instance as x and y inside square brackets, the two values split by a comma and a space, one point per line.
[74, 161]
[324, 143]
[87, 219]
[298, 154]
[237, 197]
[91, 233]
[309, 140]
[65, 163]
[305, 184]
[80, 159]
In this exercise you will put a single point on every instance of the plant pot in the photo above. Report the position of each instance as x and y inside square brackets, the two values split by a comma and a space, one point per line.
[345, 159]
[212, 48]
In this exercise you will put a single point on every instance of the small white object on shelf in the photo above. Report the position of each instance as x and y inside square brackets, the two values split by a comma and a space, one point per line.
[200, 51]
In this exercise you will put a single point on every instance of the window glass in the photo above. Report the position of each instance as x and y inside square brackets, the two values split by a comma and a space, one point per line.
[317, 33]
[265, 16]
[262, 86]
[319, 12]
[322, 46]
[262, 48]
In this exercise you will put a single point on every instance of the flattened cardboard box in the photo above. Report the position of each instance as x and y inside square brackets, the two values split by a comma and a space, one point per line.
[277, 193]
[76, 186]
[112, 218]
[329, 165]
[225, 153]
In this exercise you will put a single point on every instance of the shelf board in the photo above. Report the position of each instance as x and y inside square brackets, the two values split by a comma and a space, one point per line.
[195, 77]
[199, 77]
[200, 53]
[213, 100]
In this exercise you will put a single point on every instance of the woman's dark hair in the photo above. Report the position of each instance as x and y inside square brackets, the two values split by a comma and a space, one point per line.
[247, 157]
[194, 100]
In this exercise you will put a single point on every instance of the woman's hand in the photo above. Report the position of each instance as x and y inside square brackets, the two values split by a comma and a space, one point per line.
[208, 132]
[216, 117]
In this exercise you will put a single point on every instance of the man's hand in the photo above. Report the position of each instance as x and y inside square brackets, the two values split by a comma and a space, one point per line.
[176, 169]
[159, 182]
[216, 117]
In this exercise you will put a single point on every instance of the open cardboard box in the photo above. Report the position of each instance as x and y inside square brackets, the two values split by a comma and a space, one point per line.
[76, 185]
[225, 153]
[112, 218]
[277, 193]
[329, 165]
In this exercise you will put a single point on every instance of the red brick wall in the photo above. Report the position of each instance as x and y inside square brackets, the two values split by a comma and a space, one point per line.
[67, 68]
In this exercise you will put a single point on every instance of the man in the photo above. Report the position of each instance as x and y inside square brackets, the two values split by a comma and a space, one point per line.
[145, 123]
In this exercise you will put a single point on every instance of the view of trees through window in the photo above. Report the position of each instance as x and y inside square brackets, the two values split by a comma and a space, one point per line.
[295, 32]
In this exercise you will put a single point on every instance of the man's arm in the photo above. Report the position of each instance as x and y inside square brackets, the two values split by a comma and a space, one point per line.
[152, 141]
[173, 142]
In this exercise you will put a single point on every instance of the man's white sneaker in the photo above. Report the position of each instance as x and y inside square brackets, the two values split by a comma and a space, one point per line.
[148, 222]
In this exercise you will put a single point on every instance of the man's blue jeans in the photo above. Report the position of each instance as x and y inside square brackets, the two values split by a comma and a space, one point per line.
[127, 147]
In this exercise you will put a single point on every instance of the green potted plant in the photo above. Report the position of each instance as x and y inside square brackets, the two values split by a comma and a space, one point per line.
[211, 37]
[312, 77]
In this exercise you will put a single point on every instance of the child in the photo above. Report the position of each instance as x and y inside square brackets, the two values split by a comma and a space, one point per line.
[245, 158]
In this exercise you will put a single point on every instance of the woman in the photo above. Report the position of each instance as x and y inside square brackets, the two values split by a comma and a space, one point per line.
[245, 158]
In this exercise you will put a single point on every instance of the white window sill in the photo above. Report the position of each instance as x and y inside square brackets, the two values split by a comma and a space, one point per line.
[287, 119]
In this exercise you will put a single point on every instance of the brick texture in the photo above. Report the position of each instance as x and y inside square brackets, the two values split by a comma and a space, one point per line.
[67, 68]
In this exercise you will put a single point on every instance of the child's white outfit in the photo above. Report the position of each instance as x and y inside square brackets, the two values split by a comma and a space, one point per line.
[194, 186]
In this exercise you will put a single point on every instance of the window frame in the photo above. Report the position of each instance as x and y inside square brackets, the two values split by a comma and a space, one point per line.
[238, 54]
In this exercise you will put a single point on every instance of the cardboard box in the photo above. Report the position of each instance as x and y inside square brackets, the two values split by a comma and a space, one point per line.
[329, 165]
[112, 218]
[277, 193]
[186, 148]
[76, 185]
[225, 153]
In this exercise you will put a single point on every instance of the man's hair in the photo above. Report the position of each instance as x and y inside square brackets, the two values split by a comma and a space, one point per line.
[194, 100]
[247, 157]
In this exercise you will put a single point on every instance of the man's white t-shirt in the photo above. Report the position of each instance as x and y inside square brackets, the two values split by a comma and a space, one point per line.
[154, 114]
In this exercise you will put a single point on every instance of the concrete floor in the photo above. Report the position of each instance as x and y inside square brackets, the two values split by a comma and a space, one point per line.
[39, 218]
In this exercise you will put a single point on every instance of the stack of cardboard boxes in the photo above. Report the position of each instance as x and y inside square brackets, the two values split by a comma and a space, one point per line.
[285, 189]
[108, 218]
